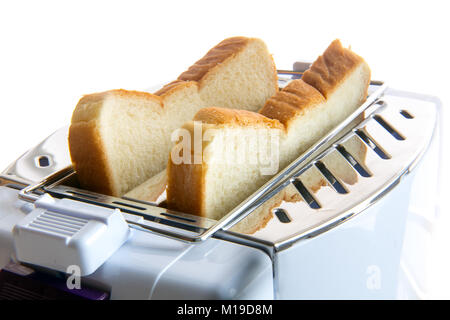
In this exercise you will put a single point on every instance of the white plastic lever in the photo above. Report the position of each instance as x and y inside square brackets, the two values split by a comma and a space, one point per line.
[60, 233]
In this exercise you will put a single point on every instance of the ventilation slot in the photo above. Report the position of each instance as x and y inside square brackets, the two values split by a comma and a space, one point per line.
[406, 114]
[330, 178]
[364, 137]
[282, 215]
[309, 199]
[388, 128]
[352, 161]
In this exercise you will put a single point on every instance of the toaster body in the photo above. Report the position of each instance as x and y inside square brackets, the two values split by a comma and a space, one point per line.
[377, 251]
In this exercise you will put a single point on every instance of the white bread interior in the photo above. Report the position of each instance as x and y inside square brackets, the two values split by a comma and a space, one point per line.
[246, 83]
[227, 177]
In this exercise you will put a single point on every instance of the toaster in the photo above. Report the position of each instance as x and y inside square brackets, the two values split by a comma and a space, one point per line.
[366, 238]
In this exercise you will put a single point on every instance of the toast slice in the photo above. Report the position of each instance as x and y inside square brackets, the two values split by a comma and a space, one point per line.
[119, 138]
[233, 148]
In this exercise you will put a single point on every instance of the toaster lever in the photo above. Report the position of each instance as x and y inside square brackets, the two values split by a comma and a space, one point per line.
[62, 233]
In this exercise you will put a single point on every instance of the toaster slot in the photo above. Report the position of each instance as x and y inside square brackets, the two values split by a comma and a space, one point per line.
[388, 127]
[372, 144]
[406, 114]
[352, 161]
[357, 153]
[344, 173]
[306, 194]
[332, 180]
[282, 215]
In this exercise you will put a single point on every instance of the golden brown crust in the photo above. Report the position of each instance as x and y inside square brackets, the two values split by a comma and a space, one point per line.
[291, 101]
[173, 86]
[88, 107]
[93, 97]
[331, 68]
[214, 58]
[217, 55]
[185, 190]
[88, 157]
[234, 117]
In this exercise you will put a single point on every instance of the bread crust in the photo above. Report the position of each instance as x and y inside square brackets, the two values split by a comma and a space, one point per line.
[332, 68]
[226, 49]
[89, 106]
[88, 157]
[235, 118]
[180, 198]
[172, 87]
[292, 101]
[185, 190]
[213, 61]
[315, 86]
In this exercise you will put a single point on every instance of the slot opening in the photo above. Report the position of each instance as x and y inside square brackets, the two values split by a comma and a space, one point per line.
[128, 205]
[14, 186]
[82, 194]
[282, 215]
[176, 217]
[381, 102]
[388, 128]
[306, 195]
[43, 161]
[352, 161]
[136, 210]
[337, 186]
[372, 144]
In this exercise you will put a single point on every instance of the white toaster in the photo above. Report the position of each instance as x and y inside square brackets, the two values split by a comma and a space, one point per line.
[362, 240]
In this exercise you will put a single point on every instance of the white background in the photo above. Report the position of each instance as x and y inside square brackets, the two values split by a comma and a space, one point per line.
[52, 52]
